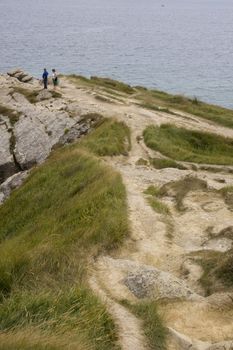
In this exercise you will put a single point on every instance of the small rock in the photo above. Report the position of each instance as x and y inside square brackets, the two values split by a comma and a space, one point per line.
[10, 184]
[26, 79]
[44, 95]
[14, 71]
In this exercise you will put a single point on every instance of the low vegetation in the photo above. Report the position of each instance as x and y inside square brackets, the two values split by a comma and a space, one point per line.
[188, 145]
[153, 326]
[111, 139]
[105, 83]
[180, 189]
[152, 193]
[142, 162]
[158, 100]
[68, 211]
[227, 193]
[217, 271]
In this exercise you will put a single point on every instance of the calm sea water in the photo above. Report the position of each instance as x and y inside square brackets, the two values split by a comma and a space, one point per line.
[181, 46]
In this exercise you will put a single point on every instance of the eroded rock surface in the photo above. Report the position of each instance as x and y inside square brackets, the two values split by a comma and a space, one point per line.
[33, 121]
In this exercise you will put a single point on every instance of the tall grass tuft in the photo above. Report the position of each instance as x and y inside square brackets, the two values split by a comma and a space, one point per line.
[188, 145]
[69, 210]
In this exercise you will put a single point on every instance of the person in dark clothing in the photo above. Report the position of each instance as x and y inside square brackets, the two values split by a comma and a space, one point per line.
[45, 78]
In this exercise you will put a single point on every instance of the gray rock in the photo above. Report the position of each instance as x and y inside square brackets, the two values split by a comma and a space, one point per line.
[14, 71]
[27, 79]
[156, 284]
[44, 95]
[20, 75]
[73, 109]
[32, 142]
[7, 164]
[11, 183]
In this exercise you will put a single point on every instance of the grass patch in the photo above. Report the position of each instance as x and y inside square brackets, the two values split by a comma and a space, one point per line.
[161, 163]
[225, 269]
[217, 270]
[111, 139]
[157, 205]
[187, 145]
[153, 327]
[113, 84]
[10, 113]
[227, 193]
[152, 191]
[69, 210]
[152, 98]
[107, 83]
[161, 101]
[180, 189]
[142, 162]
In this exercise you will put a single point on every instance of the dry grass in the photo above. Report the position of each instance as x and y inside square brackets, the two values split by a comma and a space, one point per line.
[188, 145]
[68, 211]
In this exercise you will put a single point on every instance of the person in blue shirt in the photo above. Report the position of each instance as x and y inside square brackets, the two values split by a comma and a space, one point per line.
[45, 78]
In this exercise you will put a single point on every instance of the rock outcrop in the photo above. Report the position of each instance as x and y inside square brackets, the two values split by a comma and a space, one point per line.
[20, 75]
[33, 122]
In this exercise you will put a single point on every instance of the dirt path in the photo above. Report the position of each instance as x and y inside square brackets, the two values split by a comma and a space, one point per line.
[157, 260]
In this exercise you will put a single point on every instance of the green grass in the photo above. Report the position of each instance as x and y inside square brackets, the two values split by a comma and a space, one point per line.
[106, 83]
[227, 193]
[152, 191]
[156, 204]
[224, 270]
[217, 271]
[153, 98]
[69, 210]
[10, 113]
[161, 163]
[161, 101]
[142, 162]
[111, 139]
[153, 327]
[187, 145]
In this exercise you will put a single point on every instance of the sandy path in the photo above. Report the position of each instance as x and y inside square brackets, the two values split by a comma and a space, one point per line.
[150, 244]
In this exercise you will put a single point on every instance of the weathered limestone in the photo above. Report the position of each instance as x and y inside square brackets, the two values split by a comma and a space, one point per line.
[149, 282]
[20, 75]
[7, 165]
[32, 143]
[10, 184]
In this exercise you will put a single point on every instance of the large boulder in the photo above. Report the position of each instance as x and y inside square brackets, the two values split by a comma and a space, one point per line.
[20, 75]
[32, 143]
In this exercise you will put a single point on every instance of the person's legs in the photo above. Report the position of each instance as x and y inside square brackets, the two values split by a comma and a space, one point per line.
[45, 83]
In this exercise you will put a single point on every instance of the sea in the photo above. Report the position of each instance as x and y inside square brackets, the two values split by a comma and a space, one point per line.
[179, 46]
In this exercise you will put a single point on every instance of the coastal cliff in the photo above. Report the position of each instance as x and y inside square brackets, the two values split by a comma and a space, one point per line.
[116, 217]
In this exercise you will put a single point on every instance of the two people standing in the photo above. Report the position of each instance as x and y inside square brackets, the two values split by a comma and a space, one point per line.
[54, 78]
